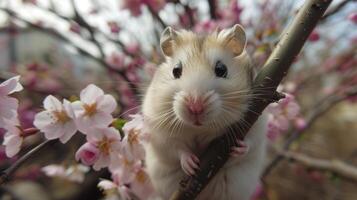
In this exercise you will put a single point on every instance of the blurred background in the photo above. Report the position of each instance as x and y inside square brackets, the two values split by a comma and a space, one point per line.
[58, 47]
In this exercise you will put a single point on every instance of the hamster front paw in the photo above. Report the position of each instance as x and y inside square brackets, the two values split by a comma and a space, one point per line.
[189, 162]
[239, 150]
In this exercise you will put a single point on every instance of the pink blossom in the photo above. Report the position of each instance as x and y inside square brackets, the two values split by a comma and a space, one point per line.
[54, 170]
[106, 141]
[113, 26]
[155, 5]
[132, 48]
[116, 61]
[9, 105]
[141, 185]
[281, 114]
[258, 193]
[88, 154]
[75, 28]
[13, 138]
[206, 26]
[314, 36]
[10, 86]
[94, 108]
[300, 123]
[353, 17]
[57, 121]
[134, 6]
[113, 190]
[134, 138]
[74, 173]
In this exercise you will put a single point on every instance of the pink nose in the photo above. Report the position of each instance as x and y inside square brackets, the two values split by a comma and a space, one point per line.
[195, 107]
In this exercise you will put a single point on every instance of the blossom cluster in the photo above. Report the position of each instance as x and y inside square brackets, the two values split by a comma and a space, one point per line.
[91, 115]
[282, 115]
[9, 117]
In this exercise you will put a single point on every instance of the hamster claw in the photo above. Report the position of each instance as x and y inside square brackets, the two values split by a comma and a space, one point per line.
[189, 163]
[239, 150]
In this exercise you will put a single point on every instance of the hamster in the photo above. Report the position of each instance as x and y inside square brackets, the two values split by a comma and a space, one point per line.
[202, 87]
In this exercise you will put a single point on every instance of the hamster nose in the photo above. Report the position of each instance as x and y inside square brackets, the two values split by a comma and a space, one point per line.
[195, 107]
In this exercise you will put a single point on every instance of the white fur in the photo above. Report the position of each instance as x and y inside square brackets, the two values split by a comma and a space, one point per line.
[173, 132]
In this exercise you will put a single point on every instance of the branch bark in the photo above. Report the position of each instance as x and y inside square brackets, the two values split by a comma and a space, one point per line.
[336, 166]
[6, 174]
[336, 9]
[264, 85]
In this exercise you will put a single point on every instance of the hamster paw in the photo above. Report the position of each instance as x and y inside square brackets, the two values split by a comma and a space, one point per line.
[239, 150]
[189, 163]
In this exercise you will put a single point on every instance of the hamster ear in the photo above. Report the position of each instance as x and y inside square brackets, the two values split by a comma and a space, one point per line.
[167, 40]
[234, 39]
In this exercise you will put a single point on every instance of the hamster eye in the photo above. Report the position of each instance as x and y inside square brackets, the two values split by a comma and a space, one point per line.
[220, 69]
[177, 70]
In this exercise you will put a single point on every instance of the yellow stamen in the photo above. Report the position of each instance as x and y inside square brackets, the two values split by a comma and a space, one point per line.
[104, 146]
[61, 116]
[90, 109]
[133, 136]
[141, 176]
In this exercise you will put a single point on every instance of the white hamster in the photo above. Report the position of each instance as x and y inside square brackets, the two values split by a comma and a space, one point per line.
[202, 87]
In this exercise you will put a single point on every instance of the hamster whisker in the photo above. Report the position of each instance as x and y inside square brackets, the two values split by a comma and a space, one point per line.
[127, 111]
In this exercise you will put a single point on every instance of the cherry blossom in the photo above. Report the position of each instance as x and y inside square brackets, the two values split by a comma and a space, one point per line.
[280, 115]
[74, 173]
[134, 138]
[88, 154]
[106, 141]
[314, 36]
[353, 17]
[9, 105]
[134, 6]
[94, 108]
[13, 138]
[57, 121]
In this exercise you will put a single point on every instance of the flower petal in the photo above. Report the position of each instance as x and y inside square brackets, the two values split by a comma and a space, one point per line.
[12, 144]
[43, 119]
[51, 103]
[106, 103]
[69, 130]
[10, 86]
[8, 107]
[89, 94]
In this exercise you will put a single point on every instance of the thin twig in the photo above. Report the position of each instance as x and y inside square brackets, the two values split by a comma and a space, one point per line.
[82, 51]
[212, 4]
[336, 166]
[157, 17]
[320, 110]
[6, 174]
[336, 9]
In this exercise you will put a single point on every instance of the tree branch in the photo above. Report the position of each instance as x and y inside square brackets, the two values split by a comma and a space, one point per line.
[264, 85]
[82, 51]
[212, 4]
[6, 174]
[336, 166]
[336, 9]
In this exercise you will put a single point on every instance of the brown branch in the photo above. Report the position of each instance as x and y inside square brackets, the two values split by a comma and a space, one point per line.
[156, 16]
[6, 174]
[320, 110]
[336, 166]
[212, 4]
[270, 76]
[336, 9]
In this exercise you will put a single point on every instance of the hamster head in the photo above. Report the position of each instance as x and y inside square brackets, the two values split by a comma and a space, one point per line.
[204, 82]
